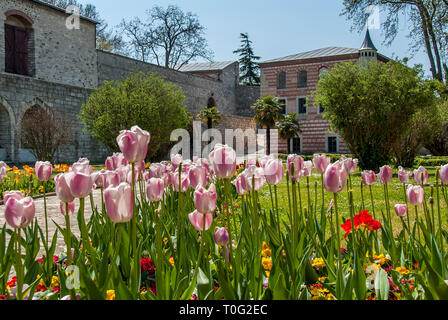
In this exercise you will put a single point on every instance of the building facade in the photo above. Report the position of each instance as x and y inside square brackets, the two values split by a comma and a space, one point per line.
[293, 80]
[44, 63]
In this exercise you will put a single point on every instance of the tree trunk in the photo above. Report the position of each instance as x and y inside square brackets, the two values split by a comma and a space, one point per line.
[268, 140]
[428, 43]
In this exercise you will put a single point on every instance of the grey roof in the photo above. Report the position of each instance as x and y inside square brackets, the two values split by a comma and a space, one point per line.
[319, 53]
[206, 66]
[368, 43]
[62, 10]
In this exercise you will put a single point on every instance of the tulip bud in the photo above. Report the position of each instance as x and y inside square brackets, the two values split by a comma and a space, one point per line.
[119, 203]
[385, 175]
[205, 200]
[401, 210]
[62, 187]
[197, 176]
[223, 159]
[416, 195]
[321, 162]
[115, 161]
[19, 213]
[134, 144]
[197, 220]
[418, 173]
[71, 208]
[298, 166]
[185, 182]
[403, 175]
[221, 236]
[154, 189]
[443, 174]
[274, 171]
[368, 177]
[335, 177]
[43, 170]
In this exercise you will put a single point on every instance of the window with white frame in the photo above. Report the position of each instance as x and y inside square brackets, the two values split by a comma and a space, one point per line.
[332, 144]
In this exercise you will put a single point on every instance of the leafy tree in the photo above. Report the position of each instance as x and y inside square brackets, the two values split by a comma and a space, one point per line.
[372, 107]
[107, 39]
[249, 69]
[427, 18]
[170, 37]
[143, 99]
[288, 128]
[438, 146]
[268, 111]
[210, 115]
[43, 131]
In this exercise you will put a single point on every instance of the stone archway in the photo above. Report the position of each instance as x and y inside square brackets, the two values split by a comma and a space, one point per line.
[7, 132]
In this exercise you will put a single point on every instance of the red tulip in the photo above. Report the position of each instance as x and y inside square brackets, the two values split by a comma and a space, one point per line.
[205, 200]
[19, 213]
[119, 203]
[197, 220]
[154, 189]
[43, 170]
[134, 144]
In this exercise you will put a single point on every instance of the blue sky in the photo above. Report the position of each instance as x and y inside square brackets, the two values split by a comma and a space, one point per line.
[277, 27]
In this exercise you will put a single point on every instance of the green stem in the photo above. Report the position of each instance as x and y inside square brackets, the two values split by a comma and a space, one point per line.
[68, 235]
[134, 234]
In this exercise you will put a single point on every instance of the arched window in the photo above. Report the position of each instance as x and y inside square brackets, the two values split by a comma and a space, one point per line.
[281, 80]
[19, 43]
[303, 79]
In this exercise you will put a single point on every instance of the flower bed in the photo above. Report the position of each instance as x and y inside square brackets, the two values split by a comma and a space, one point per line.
[200, 230]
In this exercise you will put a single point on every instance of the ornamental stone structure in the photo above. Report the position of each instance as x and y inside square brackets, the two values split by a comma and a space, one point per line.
[46, 63]
[293, 79]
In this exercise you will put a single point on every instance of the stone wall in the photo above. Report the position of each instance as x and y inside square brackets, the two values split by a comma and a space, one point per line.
[19, 93]
[57, 54]
[196, 89]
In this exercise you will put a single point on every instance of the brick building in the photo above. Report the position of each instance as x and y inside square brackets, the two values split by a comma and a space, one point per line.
[44, 63]
[293, 79]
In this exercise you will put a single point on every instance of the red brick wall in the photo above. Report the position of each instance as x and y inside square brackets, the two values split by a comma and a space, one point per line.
[314, 128]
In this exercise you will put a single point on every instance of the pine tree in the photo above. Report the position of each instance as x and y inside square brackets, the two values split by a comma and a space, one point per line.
[249, 69]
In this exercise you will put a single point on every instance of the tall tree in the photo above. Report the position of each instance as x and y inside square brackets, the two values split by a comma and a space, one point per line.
[268, 111]
[249, 69]
[170, 37]
[288, 127]
[428, 19]
[107, 38]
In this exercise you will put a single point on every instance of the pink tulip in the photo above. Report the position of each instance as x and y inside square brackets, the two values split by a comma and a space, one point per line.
[298, 166]
[349, 164]
[321, 162]
[43, 170]
[418, 173]
[71, 208]
[197, 176]
[223, 159]
[404, 175]
[221, 236]
[197, 220]
[205, 200]
[401, 210]
[62, 188]
[335, 177]
[185, 182]
[99, 178]
[111, 178]
[176, 159]
[307, 170]
[240, 185]
[274, 172]
[254, 178]
[19, 213]
[416, 195]
[385, 175]
[129, 175]
[81, 184]
[263, 160]
[119, 203]
[82, 166]
[115, 161]
[18, 195]
[443, 174]
[3, 170]
[134, 143]
[368, 177]
[140, 167]
[154, 189]
[157, 170]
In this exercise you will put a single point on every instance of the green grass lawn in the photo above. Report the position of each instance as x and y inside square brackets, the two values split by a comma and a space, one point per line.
[396, 195]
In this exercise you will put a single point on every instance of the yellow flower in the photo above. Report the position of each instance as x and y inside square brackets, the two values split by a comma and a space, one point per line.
[318, 263]
[54, 282]
[110, 295]
[268, 273]
[267, 263]
[171, 261]
[41, 189]
[266, 252]
[322, 279]
[403, 270]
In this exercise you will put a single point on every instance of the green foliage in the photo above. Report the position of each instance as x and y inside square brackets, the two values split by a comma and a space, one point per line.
[143, 99]
[209, 114]
[268, 111]
[372, 107]
[249, 69]
[288, 126]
